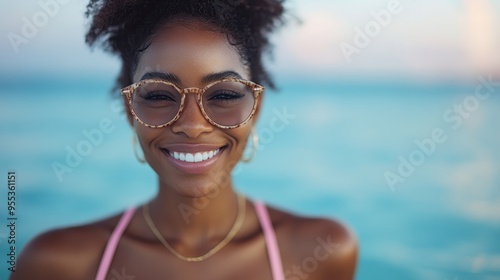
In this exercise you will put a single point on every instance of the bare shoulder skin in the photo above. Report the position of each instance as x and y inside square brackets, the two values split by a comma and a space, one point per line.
[69, 253]
[315, 248]
[309, 248]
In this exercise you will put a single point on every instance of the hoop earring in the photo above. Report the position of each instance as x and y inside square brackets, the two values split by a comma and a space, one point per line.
[136, 154]
[255, 144]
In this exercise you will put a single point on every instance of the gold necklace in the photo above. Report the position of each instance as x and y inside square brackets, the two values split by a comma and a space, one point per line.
[234, 230]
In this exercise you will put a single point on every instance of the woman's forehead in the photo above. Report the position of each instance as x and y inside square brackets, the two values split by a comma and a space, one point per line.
[189, 51]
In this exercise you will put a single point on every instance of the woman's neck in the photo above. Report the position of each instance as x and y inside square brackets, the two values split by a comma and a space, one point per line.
[178, 216]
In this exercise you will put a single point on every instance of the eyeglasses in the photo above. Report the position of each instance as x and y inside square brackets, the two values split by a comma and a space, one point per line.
[228, 103]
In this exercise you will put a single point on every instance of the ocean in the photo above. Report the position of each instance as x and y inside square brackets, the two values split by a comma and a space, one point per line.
[412, 168]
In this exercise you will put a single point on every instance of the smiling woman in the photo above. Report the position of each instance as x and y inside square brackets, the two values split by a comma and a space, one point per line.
[190, 79]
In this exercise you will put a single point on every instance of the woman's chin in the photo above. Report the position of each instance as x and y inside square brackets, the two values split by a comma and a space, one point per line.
[196, 188]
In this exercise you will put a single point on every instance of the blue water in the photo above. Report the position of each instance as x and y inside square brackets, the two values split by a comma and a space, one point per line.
[442, 222]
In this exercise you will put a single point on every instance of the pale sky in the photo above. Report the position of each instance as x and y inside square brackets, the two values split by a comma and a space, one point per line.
[421, 39]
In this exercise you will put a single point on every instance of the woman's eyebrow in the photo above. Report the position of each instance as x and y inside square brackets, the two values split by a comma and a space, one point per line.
[219, 76]
[162, 76]
[206, 79]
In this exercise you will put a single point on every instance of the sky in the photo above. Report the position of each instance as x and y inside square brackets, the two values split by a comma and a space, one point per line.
[424, 40]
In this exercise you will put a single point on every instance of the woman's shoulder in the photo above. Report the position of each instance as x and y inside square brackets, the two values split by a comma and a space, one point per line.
[65, 253]
[325, 244]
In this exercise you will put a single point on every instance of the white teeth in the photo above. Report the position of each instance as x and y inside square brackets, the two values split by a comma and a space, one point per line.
[197, 157]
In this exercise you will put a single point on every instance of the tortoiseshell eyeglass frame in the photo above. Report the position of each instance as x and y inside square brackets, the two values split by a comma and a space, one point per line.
[256, 90]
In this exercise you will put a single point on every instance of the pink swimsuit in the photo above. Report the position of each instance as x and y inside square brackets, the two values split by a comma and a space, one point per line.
[265, 223]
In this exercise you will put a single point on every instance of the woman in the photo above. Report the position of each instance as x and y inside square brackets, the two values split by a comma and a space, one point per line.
[190, 79]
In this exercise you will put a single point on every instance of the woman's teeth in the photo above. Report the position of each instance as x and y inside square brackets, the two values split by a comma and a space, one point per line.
[196, 157]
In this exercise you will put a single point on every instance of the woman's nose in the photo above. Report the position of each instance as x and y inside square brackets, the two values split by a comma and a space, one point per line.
[191, 122]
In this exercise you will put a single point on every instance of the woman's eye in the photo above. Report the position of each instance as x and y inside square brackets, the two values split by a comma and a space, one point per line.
[158, 96]
[225, 95]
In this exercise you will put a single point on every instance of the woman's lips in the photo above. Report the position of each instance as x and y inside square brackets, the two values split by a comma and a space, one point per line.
[193, 159]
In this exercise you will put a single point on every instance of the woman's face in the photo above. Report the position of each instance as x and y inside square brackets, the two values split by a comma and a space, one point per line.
[190, 55]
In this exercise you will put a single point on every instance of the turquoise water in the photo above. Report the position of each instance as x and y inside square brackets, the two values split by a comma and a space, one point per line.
[328, 159]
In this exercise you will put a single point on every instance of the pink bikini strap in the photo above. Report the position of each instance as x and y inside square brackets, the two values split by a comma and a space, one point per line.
[271, 243]
[262, 214]
[109, 252]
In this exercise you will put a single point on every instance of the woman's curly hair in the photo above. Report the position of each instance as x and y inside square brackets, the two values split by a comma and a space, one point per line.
[123, 27]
